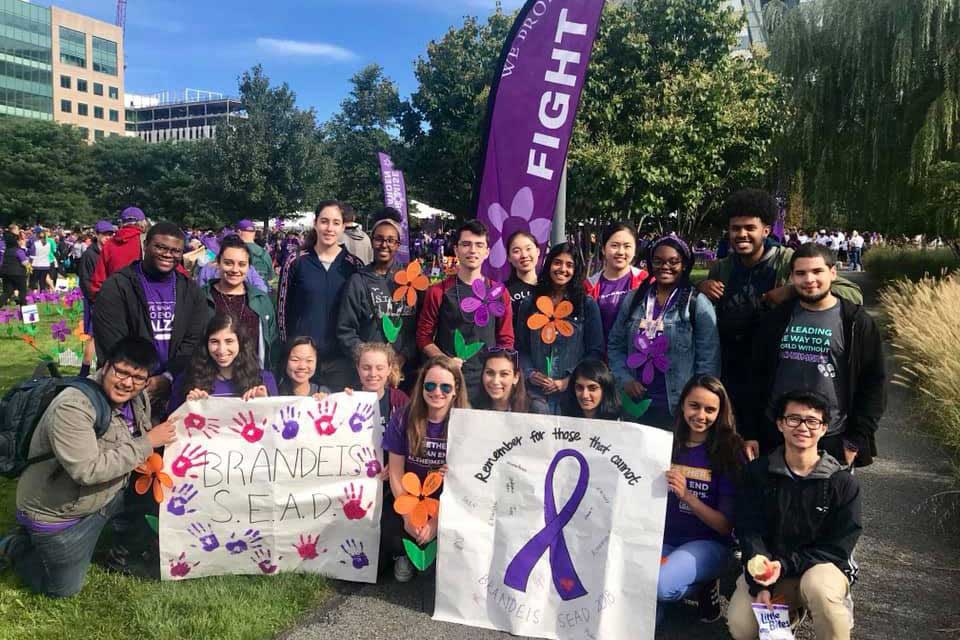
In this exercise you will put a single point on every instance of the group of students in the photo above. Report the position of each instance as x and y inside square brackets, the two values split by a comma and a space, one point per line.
[769, 373]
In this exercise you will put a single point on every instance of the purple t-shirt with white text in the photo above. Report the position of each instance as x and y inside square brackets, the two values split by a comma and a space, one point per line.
[714, 489]
[161, 294]
[612, 293]
[434, 453]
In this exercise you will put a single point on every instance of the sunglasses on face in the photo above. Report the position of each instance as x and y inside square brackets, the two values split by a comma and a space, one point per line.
[445, 388]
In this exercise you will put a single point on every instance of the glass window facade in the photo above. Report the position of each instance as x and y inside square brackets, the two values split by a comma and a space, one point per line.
[65, 82]
[81, 85]
[85, 133]
[98, 113]
[97, 134]
[73, 47]
[26, 78]
[104, 56]
[114, 93]
[114, 115]
[82, 109]
[65, 106]
[97, 89]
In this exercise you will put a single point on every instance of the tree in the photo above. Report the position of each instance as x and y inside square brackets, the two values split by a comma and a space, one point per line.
[264, 165]
[352, 138]
[875, 86]
[44, 173]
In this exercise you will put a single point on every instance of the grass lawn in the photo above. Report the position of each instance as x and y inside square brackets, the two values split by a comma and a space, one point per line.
[113, 606]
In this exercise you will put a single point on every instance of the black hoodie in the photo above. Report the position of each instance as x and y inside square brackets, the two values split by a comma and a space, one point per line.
[367, 298]
[799, 522]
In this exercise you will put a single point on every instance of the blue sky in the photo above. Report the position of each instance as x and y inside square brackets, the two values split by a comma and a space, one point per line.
[315, 46]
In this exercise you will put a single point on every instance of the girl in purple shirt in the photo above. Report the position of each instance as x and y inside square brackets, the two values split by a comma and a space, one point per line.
[705, 465]
[225, 366]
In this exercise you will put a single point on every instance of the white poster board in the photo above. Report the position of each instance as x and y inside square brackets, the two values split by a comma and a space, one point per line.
[274, 485]
[552, 527]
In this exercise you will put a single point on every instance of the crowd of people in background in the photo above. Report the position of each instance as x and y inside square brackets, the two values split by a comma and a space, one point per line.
[769, 373]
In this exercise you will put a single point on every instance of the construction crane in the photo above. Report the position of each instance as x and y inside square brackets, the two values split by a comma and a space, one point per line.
[122, 15]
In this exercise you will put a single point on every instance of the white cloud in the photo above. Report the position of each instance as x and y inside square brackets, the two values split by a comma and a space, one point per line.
[301, 48]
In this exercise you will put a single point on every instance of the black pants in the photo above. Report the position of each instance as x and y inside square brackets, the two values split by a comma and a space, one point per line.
[11, 284]
[335, 373]
[38, 279]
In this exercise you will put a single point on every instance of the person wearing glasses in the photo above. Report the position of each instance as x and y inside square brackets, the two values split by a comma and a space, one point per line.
[825, 343]
[449, 307]
[151, 299]
[502, 386]
[668, 309]
[416, 440]
[368, 302]
[65, 498]
[798, 518]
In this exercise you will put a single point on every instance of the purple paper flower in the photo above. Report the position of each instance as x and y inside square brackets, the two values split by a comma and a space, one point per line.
[6, 315]
[651, 355]
[60, 331]
[484, 302]
[32, 297]
[506, 224]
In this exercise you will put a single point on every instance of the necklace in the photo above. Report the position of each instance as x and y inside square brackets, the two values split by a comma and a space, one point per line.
[235, 304]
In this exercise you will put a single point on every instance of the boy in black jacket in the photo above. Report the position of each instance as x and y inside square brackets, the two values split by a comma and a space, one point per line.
[798, 518]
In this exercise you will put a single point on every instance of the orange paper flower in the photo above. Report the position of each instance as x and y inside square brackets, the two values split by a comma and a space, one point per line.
[29, 340]
[551, 321]
[410, 280]
[417, 502]
[153, 475]
[79, 333]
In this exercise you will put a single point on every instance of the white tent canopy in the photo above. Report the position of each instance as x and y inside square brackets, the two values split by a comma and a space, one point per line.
[422, 211]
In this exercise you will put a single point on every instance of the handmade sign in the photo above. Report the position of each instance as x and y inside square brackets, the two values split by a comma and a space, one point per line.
[274, 485]
[552, 526]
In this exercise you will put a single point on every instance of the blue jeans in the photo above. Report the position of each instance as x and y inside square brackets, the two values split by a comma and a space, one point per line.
[55, 564]
[687, 567]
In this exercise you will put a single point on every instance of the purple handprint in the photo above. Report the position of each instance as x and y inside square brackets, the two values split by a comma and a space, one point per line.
[354, 549]
[183, 494]
[324, 421]
[188, 459]
[360, 417]
[250, 539]
[179, 567]
[307, 547]
[368, 457]
[352, 503]
[194, 422]
[205, 536]
[248, 430]
[263, 559]
[287, 425]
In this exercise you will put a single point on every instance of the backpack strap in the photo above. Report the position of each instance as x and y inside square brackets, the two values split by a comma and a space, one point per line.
[93, 392]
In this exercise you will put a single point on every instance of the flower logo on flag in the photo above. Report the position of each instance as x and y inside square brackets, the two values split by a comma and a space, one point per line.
[417, 501]
[410, 280]
[651, 354]
[521, 210]
[551, 321]
[484, 302]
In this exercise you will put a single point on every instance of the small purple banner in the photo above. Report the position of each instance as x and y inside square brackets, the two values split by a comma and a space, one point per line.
[533, 103]
[395, 195]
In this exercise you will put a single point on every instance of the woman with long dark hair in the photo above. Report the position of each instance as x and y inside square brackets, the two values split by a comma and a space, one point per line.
[559, 326]
[502, 386]
[593, 392]
[225, 365]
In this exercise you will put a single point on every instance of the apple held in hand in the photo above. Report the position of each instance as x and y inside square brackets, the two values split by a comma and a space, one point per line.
[760, 568]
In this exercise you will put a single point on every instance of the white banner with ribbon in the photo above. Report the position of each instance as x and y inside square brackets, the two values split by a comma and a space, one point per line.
[550, 526]
[273, 485]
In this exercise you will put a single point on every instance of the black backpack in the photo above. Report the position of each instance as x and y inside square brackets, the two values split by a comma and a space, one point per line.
[23, 406]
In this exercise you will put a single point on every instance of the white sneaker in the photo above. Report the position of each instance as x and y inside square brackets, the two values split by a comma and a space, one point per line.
[402, 569]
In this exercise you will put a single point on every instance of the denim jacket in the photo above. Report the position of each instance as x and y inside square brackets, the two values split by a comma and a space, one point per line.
[586, 342]
[694, 347]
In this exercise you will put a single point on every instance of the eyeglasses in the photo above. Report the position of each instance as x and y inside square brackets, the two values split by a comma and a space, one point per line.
[445, 388]
[794, 421]
[167, 251]
[513, 355]
[126, 375]
[387, 242]
[673, 263]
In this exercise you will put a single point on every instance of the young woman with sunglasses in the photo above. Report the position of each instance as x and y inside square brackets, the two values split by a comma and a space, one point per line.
[416, 440]
[503, 388]
[567, 326]
[664, 334]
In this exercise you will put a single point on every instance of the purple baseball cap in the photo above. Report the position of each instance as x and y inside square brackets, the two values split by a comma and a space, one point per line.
[245, 225]
[132, 214]
[104, 226]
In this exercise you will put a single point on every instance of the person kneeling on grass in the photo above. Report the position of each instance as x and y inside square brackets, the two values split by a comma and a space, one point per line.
[64, 501]
[416, 440]
[798, 520]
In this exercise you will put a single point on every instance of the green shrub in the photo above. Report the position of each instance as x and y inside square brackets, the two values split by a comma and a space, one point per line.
[892, 263]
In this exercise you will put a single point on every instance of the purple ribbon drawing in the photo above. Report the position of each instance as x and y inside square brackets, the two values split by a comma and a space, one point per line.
[565, 577]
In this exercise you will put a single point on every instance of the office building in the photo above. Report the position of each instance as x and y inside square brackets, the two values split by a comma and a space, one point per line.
[61, 66]
[190, 114]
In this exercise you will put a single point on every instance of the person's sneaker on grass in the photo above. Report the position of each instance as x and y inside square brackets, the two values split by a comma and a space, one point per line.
[402, 569]
[708, 602]
[9, 544]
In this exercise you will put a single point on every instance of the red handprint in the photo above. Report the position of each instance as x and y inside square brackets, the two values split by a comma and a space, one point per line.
[196, 423]
[248, 430]
[307, 547]
[352, 506]
[179, 567]
[188, 459]
[324, 422]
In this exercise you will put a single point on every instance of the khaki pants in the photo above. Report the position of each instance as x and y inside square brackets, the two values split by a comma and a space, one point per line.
[822, 589]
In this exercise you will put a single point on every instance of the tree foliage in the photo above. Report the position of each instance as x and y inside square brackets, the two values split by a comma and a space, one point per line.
[874, 90]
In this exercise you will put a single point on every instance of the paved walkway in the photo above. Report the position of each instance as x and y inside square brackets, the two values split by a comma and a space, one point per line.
[909, 559]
